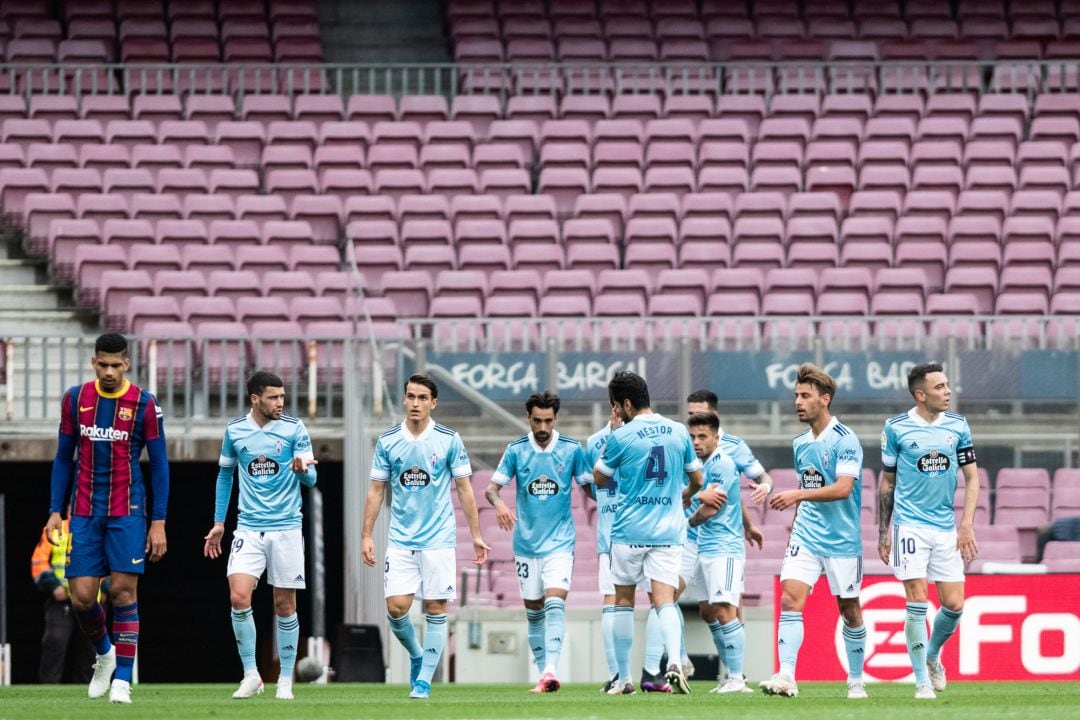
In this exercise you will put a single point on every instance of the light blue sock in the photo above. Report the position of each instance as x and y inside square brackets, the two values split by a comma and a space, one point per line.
[434, 640]
[715, 629]
[734, 646]
[672, 630]
[789, 640]
[684, 658]
[622, 633]
[555, 609]
[855, 644]
[243, 627]
[537, 624]
[404, 631]
[915, 632]
[607, 620]
[654, 642]
[288, 638]
[944, 626]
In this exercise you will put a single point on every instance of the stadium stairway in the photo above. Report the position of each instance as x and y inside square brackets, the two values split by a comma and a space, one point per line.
[383, 31]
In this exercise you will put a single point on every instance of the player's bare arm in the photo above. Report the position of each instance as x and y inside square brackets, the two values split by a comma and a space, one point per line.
[300, 465]
[212, 541]
[714, 497]
[752, 532]
[965, 533]
[372, 505]
[156, 544]
[504, 516]
[695, 479]
[52, 528]
[839, 490]
[886, 500]
[760, 488]
[468, 506]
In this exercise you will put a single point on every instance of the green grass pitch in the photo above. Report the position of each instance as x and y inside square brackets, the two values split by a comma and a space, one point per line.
[999, 701]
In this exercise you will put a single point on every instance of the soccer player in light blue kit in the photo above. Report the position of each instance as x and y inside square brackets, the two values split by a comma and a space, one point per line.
[419, 460]
[721, 552]
[921, 452]
[544, 467]
[273, 454]
[825, 535]
[652, 456]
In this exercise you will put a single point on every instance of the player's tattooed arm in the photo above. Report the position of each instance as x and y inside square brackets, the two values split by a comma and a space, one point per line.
[504, 516]
[886, 499]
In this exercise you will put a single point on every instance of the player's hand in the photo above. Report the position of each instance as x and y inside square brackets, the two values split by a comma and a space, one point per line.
[784, 500]
[367, 551]
[759, 492]
[965, 543]
[52, 528]
[504, 517]
[59, 594]
[884, 548]
[754, 536]
[300, 465]
[480, 550]
[156, 545]
[713, 498]
[212, 546]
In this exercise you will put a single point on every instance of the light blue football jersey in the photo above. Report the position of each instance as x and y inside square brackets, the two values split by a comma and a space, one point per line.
[545, 479]
[722, 534]
[740, 453]
[829, 529]
[652, 455]
[926, 459]
[269, 489]
[607, 498]
[420, 471]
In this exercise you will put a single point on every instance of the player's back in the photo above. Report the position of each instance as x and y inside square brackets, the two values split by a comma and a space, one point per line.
[607, 498]
[269, 496]
[111, 429]
[420, 471]
[652, 455]
[740, 453]
[829, 529]
[927, 458]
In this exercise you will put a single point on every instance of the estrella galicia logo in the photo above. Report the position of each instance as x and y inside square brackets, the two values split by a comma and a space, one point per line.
[263, 466]
[543, 488]
[415, 478]
[933, 464]
[811, 479]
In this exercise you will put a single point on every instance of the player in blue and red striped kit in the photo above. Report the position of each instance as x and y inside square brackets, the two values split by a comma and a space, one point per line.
[104, 426]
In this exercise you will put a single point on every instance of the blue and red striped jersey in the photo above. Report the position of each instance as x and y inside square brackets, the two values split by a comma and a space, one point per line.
[109, 431]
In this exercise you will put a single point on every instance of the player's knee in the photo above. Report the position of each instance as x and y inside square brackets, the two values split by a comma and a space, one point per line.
[122, 596]
[284, 606]
[438, 607]
[790, 603]
[240, 600]
[852, 614]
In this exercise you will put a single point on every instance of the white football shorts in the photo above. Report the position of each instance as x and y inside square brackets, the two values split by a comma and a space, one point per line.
[630, 564]
[844, 573]
[695, 591]
[723, 577]
[923, 552]
[278, 552]
[607, 585]
[427, 574]
[535, 575]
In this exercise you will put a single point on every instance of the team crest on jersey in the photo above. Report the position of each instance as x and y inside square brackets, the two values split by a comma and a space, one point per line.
[951, 440]
[559, 469]
[825, 460]
[126, 414]
[415, 478]
[434, 459]
[543, 488]
[278, 445]
[933, 464]
[811, 479]
[263, 466]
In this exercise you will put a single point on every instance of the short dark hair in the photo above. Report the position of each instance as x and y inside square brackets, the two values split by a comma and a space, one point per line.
[704, 418]
[811, 374]
[425, 380]
[543, 400]
[111, 343]
[704, 396]
[916, 377]
[262, 379]
[630, 386]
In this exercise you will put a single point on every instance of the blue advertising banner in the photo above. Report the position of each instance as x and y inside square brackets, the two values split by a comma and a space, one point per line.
[763, 375]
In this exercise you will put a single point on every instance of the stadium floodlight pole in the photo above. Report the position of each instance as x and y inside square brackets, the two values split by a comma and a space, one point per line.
[5, 648]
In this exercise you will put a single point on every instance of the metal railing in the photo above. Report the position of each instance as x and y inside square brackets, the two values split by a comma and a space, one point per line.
[486, 78]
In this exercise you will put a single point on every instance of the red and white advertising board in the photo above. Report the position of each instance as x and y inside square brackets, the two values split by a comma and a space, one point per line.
[1014, 627]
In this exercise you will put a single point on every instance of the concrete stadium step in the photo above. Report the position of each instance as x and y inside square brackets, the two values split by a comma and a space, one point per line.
[18, 272]
[16, 322]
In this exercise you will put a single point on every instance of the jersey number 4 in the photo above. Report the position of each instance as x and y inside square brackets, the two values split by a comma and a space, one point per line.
[656, 468]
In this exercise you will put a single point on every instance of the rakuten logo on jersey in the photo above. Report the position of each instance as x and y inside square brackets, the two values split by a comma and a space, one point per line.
[1013, 628]
[100, 434]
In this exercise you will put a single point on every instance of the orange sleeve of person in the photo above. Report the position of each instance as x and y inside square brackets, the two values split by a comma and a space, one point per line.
[41, 560]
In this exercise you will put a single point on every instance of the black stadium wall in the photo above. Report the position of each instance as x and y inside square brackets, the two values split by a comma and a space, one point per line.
[186, 633]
